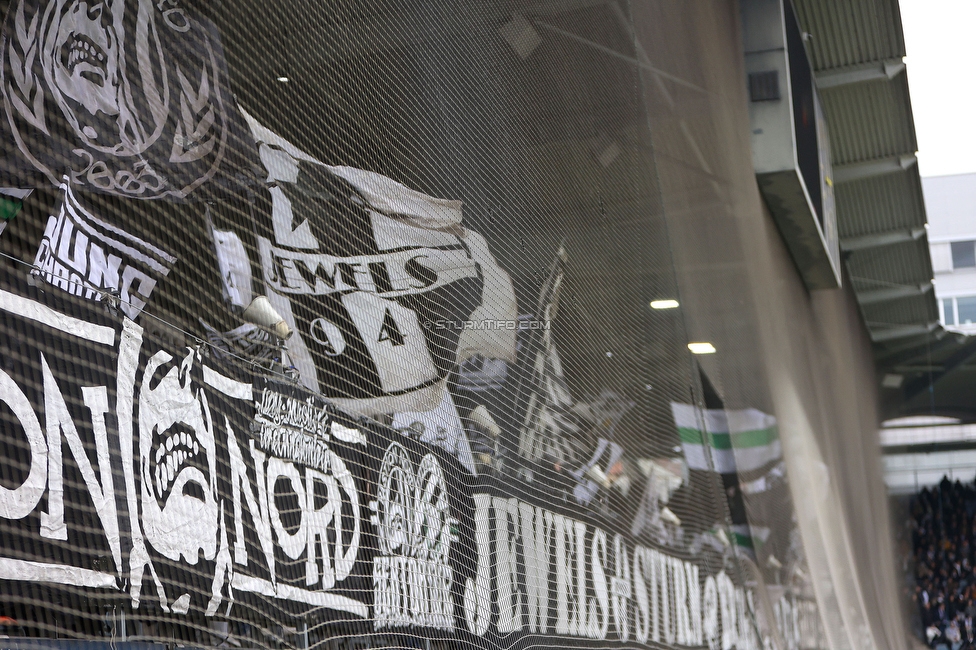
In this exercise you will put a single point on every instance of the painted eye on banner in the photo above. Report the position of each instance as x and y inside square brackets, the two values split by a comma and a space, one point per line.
[432, 518]
[412, 515]
[394, 502]
[328, 335]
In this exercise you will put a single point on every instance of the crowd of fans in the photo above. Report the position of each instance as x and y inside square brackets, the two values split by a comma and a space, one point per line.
[943, 528]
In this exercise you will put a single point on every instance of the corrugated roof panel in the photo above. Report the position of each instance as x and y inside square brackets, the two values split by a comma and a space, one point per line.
[903, 264]
[851, 32]
[880, 204]
[869, 120]
[873, 121]
[903, 311]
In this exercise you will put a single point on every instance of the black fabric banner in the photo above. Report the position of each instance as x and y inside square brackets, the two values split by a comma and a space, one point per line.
[128, 98]
[189, 489]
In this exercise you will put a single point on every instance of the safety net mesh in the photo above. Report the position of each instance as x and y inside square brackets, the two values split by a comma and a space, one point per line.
[330, 324]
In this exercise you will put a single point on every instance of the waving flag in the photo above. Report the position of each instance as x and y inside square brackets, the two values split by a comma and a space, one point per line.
[385, 289]
[743, 441]
[11, 200]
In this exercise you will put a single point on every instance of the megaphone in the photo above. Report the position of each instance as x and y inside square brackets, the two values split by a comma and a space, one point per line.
[261, 313]
[722, 536]
[670, 517]
[623, 484]
[482, 418]
[597, 475]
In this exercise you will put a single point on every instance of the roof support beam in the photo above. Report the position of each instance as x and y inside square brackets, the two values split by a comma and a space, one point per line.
[919, 348]
[862, 242]
[870, 168]
[892, 293]
[958, 358]
[928, 447]
[918, 368]
[873, 71]
[902, 331]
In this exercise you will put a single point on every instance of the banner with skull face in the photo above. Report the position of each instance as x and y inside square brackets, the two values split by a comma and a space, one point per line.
[189, 487]
[127, 97]
[160, 480]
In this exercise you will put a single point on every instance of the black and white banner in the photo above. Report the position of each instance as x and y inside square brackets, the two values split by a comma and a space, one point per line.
[192, 488]
[126, 97]
[86, 256]
[363, 268]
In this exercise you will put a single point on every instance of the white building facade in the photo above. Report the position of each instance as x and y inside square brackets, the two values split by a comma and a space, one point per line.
[950, 202]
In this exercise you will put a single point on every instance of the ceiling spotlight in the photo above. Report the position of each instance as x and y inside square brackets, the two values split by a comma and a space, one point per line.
[284, 80]
[892, 380]
[664, 304]
[701, 348]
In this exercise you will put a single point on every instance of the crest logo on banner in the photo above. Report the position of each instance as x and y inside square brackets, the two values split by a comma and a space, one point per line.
[415, 530]
[120, 97]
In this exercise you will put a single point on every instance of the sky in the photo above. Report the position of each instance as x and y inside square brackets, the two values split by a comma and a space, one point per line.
[939, 39]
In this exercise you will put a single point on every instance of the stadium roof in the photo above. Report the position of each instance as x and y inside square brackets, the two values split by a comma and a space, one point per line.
[857, 49]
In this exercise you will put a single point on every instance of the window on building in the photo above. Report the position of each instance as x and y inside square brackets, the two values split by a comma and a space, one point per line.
[966, 310]
[963, 254]
[948, 311]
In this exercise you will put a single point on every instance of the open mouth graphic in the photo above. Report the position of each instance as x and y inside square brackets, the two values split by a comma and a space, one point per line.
[177, 451]
[80, 50]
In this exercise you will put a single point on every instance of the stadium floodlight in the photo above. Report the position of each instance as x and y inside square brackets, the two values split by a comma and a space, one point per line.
[664, 304]
[701, 348]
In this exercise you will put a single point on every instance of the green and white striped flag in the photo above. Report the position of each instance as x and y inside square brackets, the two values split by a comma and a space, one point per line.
[744, 536]
[11, 200]
[739, 441]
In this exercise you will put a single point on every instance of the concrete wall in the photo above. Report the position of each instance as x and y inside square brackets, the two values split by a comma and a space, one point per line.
[805, 357]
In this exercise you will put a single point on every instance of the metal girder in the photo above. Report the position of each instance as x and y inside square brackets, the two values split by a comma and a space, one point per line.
[869, 168]
[916, 368]
[928, 447]
[875, 70]
[875, 240]
[922, 347]
[901, 331]
[893, 293]
[965, 352]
